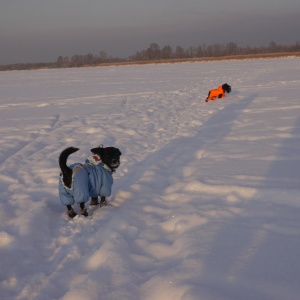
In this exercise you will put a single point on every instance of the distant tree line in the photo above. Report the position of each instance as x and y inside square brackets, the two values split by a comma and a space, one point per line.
[27, 66]
[155, 53]
[86, 60]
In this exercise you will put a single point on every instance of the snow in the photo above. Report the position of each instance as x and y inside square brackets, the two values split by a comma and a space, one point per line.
[205, 204]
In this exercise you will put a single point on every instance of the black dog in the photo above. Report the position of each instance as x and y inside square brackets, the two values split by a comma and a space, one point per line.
[79, 182]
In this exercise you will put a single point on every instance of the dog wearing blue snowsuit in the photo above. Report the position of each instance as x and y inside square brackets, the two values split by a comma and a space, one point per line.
[79, 182]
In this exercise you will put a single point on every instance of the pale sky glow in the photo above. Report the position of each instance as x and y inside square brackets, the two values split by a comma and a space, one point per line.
[41, 30]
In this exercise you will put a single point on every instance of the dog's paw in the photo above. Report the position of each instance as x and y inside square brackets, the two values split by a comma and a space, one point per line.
[71, 213]
[103, 203]
[84, 212]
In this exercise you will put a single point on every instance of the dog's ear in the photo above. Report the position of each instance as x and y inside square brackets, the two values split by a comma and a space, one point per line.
[98, 150]
[119, 152]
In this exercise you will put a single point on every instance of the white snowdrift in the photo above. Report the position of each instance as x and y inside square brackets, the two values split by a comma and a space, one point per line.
[205, 202]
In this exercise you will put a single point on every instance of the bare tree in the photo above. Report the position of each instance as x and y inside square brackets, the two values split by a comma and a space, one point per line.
[153, 52]
[166, 52]
[102, 57]
[179, 52]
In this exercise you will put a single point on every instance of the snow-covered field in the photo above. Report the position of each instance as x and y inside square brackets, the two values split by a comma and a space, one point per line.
[206, 201]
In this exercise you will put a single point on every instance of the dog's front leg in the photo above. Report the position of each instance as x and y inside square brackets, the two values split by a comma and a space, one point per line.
[83, 210]
[103, 201]
[70, 211]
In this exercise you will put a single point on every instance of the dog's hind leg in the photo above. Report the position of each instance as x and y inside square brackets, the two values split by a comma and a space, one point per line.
[83, 209]
[94, 201]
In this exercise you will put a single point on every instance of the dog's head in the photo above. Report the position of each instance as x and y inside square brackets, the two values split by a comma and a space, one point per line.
[109, 156]
[226, 87]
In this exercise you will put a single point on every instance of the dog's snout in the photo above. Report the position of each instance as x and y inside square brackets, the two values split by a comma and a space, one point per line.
[115, 161]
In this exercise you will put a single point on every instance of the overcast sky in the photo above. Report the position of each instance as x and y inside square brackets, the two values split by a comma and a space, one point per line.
[42, 30]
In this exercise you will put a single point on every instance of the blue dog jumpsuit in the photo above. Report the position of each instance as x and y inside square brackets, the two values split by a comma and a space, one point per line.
[101, 178]
[81, 186]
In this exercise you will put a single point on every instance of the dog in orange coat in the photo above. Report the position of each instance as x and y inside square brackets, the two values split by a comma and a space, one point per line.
[219, 92]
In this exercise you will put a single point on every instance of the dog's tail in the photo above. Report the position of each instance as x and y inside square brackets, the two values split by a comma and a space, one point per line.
[65, 170]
